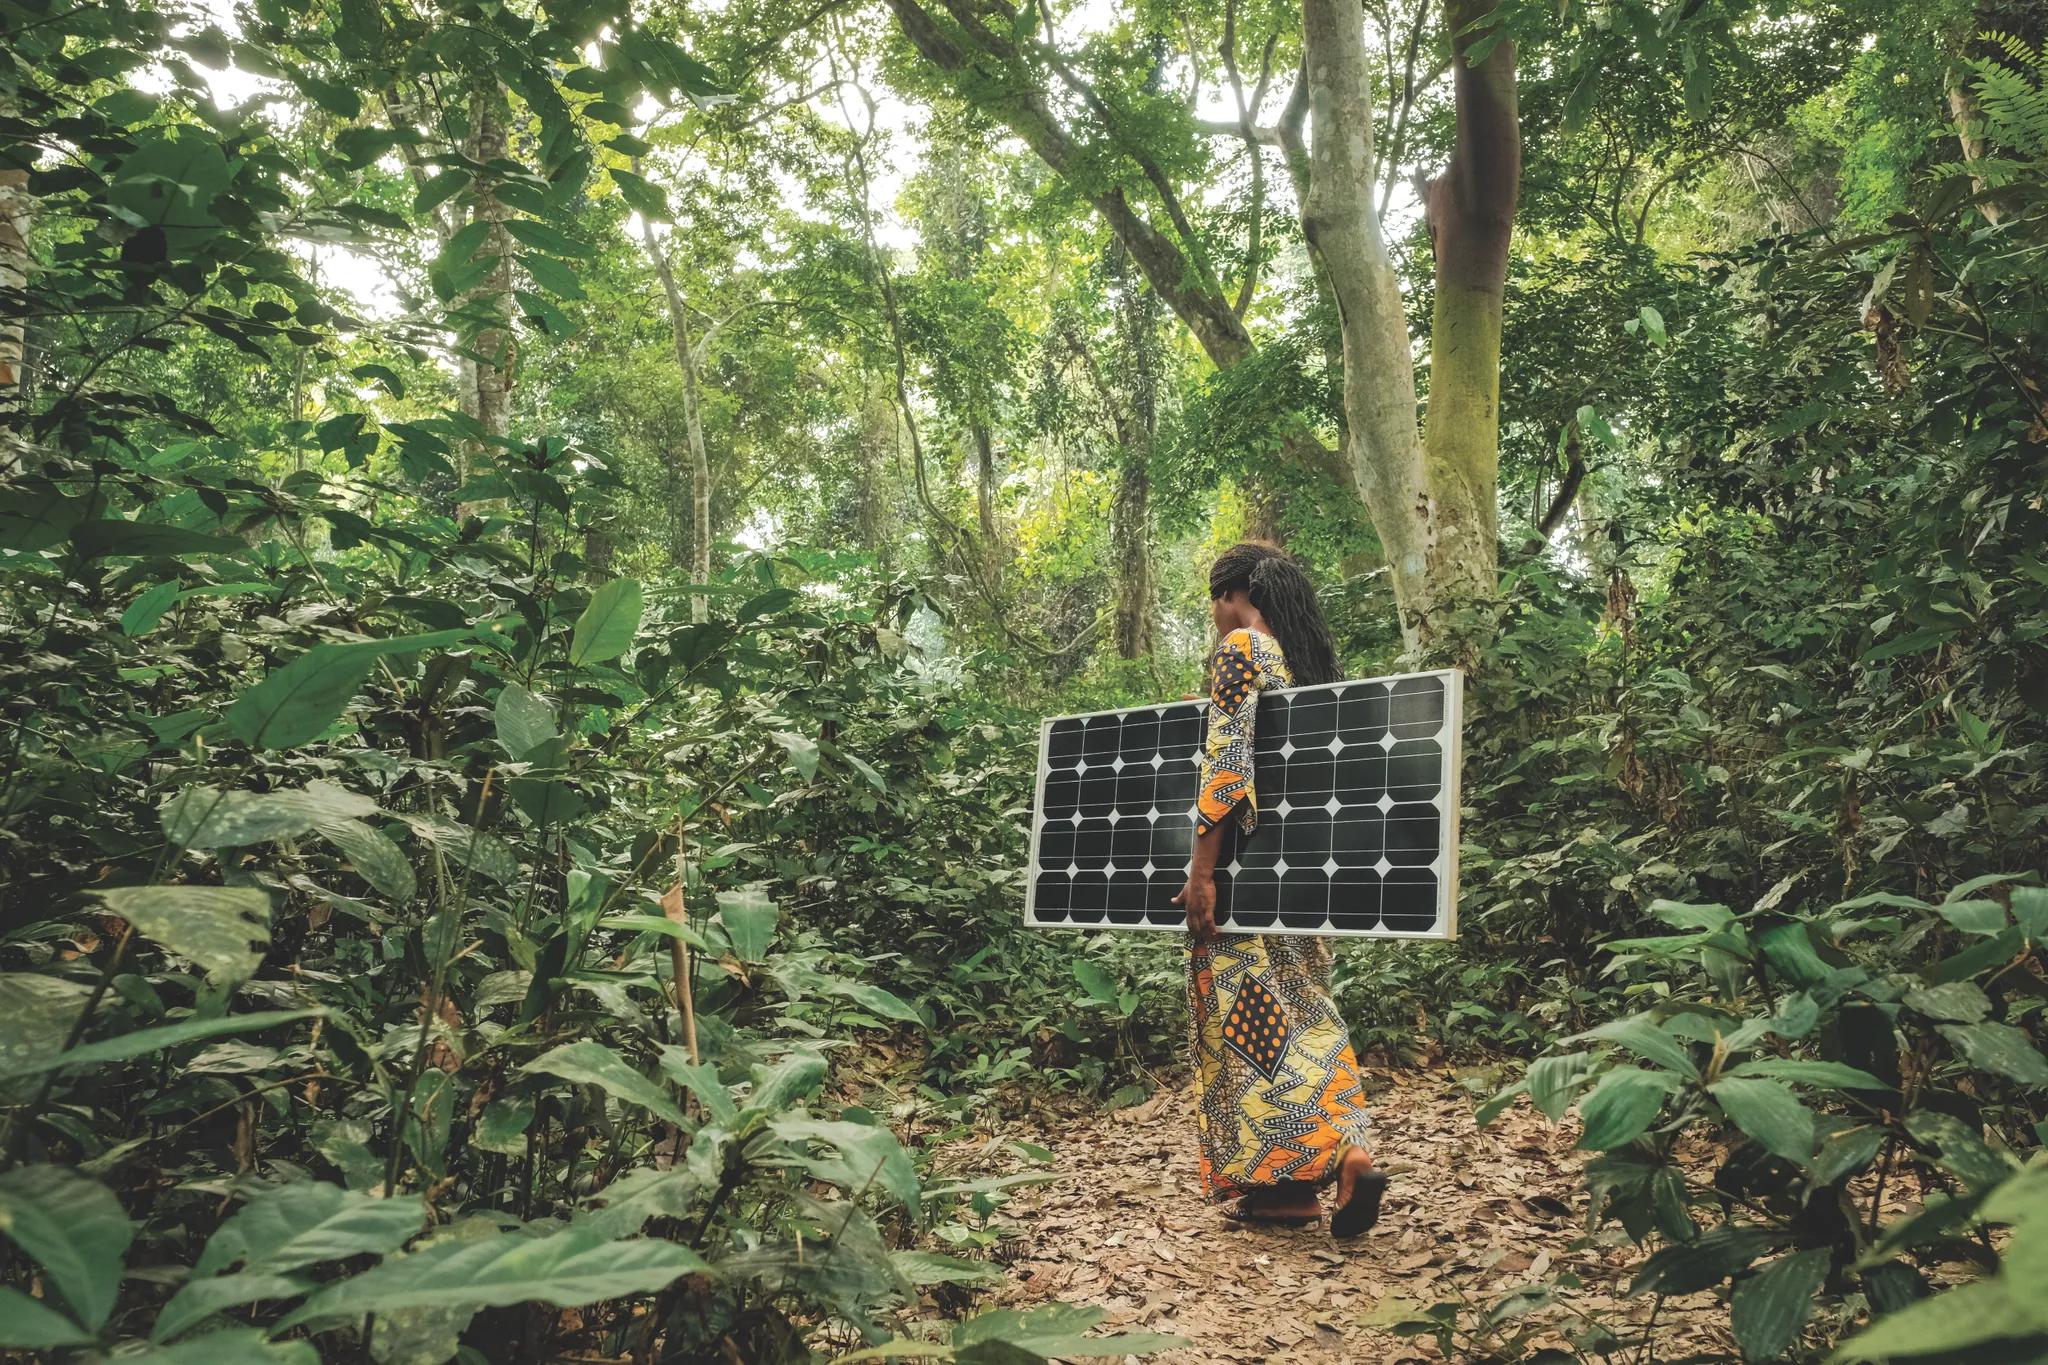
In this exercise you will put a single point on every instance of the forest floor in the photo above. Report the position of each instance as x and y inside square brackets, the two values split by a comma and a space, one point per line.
[1470, 1216]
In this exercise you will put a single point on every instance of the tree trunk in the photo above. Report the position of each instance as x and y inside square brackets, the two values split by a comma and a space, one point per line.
[15, 211]
[1431, 501]
[693, 420]
[1130, 525]
[496, 346]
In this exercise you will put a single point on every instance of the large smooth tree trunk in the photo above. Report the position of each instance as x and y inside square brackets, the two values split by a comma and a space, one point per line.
[16, 208]
[693, 420]
[491, 349]
[1432, 500]
[1130, 523]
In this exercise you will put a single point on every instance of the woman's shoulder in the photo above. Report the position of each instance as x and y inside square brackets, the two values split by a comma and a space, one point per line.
[1254, 647]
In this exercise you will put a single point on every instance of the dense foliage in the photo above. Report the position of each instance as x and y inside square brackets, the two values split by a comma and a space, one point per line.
[531, 557]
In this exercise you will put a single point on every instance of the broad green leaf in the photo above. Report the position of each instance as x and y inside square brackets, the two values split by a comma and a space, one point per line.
[75, 1229]
[1961, 1001]
[1768, 1112]
[524, 721]
[803, 752]
[305, 1223]
[1622, 1105]
[1771, 1306]
[36, 1015]
[867, 1156]
[541, 237]
[1649, 1041]
[701, 1080]
[479, 850]
[104, 539]
[146, 610]
[1948, 1324]
[145, 1041]
[503, 1124]
[206, 818]
[654, 924]
[749, 918]
[1834, 1074]
[1101, 989]
[32, 1325]
[566, 1269]
[225, 930]
[555, 276]
[592, 1063]
[2030, 908]
[295, 703]
[1974, 917]
[1055, 1331]
[875, 1000]
[231, 1346]
[546, 800]
[606, 628]
[623, 1207]
[200, 1299]
[1703, 1262]
[924, 1268]
[788, 1081]
[2000, 1049]
[1962, 1151]
[377, 860]
[1554, 1080]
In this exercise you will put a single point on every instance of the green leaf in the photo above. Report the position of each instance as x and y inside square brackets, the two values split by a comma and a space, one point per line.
[749, 918]
[592, 1063]
[1702, 1263]
[552, 275]
[36, 1015]
[296, 703]
[75, 1229]
[1947, 1324]
[654, 924]
[541, 237]
[875, 1000]
[1836, 1075]
[606, 628]
[466, 847]
[701, 1080]
[201, 1299]
[924, 1268]
[1768, 1112]
[232, 1346]
[205, 818]
[1055, 1331]
[1101, 989]
[645, 198]
[145, 1041]
[2000, 1049]
[803, 752]
[1648, 1040]
[503, 1124]
[1978, 918]
[225, 930]
[2030, 908]
[149, 608]
[1554, 1080]
[868, 1155]
[1771, 1306]
[788, 1081]
[375, 858]
[32, 1325]
[307, 1222]
[524, 720]
[1622, 1106]
[1962, 1152]
[1962, 1001]
[566, 1269]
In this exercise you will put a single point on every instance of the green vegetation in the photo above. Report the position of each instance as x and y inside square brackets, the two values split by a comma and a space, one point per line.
[534, 540]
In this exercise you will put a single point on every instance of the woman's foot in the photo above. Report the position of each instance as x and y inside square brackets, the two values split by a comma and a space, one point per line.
[1359, 1187]
[1291, 1203]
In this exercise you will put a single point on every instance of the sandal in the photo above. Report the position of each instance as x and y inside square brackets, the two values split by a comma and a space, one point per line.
[1357, 1214]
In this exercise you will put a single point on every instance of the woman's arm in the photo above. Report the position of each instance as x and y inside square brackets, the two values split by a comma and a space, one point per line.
[1198, 897]
[1226, 775]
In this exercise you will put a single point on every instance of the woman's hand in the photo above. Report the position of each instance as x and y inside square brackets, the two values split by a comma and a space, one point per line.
[1198, 900]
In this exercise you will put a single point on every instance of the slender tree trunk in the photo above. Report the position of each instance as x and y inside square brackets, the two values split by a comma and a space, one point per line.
[496, 346]
[1431, 500]
[16, 209]
[693, 420]
[1130, 524]
[985, 485]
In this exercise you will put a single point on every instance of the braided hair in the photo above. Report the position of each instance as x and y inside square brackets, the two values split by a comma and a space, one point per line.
[1281, 592]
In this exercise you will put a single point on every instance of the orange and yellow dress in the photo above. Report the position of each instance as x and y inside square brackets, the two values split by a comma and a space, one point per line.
[1278, 1092]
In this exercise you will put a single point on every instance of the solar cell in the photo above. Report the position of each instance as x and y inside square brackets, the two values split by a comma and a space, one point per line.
[1357, 788]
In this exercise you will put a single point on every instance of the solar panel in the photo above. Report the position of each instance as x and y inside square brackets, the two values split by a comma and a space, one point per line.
[1357, 788]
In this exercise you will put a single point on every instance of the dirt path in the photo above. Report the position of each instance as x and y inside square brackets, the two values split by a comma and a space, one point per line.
[1469, 1216]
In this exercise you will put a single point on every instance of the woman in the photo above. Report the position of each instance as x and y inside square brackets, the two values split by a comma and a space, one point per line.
[1280, 1107]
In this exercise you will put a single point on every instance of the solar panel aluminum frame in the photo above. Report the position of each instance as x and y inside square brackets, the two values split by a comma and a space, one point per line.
[1445, 865]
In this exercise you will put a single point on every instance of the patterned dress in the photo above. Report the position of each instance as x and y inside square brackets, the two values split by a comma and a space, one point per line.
[1277, 1088]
